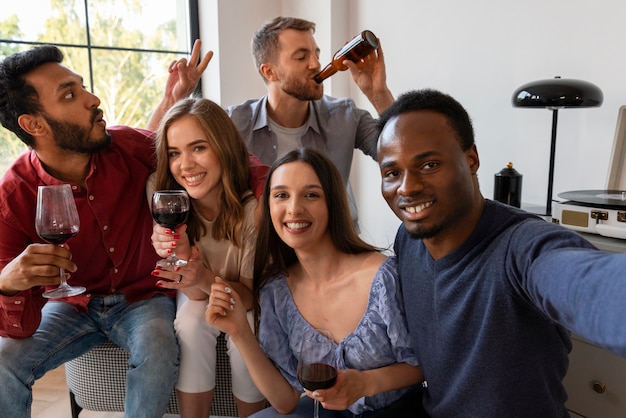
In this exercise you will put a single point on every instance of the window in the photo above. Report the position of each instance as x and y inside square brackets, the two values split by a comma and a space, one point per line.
[122, 48]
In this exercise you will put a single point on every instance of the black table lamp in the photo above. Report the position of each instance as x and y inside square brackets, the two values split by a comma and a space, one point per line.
[554, 94]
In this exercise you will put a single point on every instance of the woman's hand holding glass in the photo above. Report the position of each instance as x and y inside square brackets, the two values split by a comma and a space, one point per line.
[317, 364]
[164, 240]
[350, 386]
[170, 209]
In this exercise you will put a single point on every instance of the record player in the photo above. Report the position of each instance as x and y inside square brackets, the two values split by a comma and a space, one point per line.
[602, 211]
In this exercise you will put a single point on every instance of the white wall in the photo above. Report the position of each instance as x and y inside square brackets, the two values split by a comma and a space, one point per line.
[479, 52]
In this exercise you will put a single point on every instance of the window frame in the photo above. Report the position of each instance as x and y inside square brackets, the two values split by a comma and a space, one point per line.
[193, 31]
[193, 26]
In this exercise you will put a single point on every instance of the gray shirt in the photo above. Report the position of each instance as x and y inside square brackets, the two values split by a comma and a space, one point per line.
[335, 128]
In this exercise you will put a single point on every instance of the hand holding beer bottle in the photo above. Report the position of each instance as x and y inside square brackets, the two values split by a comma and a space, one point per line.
[358, 48]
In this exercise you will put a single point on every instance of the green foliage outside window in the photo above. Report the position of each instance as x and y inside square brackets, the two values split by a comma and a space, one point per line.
[129, 61]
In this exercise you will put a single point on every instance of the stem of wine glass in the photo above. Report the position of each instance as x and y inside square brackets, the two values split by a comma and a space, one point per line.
[175, 260]
[63, 279]
[316, 410]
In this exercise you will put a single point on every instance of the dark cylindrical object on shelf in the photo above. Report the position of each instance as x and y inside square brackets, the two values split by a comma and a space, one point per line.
[358, 48]
[508, 186]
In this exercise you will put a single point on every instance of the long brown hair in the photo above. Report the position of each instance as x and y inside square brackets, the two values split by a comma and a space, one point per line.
[272, 255]
[225, 140]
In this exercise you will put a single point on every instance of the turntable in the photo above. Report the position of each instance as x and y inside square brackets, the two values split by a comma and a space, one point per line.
[600, 212]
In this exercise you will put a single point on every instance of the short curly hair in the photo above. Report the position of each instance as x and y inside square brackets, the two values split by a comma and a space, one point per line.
[436, 101]
[17, 97]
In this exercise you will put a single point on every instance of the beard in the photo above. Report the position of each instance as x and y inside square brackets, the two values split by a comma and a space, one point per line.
[421, 232]
[76, 138]
[302, 90]
[442, 225]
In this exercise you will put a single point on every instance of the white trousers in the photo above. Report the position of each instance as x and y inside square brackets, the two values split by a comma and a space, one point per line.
[198, 353]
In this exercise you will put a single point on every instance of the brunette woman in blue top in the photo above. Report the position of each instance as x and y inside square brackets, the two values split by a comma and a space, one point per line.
[313, 271]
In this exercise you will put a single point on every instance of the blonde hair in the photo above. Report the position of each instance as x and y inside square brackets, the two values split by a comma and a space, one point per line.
[226, 142]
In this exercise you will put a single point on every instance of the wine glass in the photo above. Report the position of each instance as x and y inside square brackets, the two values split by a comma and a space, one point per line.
[170, 209]
[317, 364]
[56, 222]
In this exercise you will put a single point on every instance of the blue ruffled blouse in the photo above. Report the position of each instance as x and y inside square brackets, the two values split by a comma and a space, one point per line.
[380, 338]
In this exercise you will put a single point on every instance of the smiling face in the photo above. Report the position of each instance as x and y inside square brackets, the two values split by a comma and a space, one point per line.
[192, 161]
[297, 205]
[427, 179]
[70, 112]
[296, 65]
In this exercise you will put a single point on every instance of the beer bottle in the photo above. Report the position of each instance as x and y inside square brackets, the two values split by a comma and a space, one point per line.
[358, 48]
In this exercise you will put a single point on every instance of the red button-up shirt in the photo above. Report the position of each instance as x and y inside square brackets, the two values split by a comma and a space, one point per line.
[113, 251]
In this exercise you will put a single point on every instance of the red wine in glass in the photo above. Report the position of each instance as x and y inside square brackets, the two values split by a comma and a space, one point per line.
[58, 239]
[317, 376]
[56, 222]
[169, 219]
[317, 364]
[170, 208]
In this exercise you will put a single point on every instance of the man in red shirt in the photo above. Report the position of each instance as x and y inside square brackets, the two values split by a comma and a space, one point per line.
[46, 105]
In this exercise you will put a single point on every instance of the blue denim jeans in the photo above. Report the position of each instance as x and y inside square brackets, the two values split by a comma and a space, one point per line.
[144, 329]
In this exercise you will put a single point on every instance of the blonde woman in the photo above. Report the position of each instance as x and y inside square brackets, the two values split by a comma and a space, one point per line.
[200, 149]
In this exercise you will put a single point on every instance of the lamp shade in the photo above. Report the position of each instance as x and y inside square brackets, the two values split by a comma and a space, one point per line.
[558, 93]
[554, 94]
